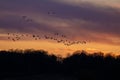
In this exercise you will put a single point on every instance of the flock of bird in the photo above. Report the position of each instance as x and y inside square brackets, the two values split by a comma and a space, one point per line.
[27, 19]
[55, 37]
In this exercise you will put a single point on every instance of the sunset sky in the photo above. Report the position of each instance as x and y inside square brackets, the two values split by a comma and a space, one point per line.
[95, 21]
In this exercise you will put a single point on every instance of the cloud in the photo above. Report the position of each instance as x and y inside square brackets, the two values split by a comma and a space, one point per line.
[102, 3]
[81, 19]
[18, 23]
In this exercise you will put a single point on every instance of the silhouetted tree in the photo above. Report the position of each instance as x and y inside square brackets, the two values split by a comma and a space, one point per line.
[80, 64]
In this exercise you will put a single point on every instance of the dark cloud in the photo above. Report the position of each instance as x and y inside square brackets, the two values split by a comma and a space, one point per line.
[20, 24]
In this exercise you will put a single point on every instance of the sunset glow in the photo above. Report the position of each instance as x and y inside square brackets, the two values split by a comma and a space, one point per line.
[95, 21]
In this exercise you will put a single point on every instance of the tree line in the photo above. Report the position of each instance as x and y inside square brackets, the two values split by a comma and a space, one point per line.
[81, 65]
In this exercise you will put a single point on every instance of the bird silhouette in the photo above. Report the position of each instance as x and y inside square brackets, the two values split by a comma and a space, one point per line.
[51, 13]
[8, 33]
[24, 17]
[8, 37]
[33, 36]
[13, 39]
[57, 37]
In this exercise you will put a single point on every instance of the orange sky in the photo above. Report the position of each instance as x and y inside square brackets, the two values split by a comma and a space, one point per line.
[58, 48]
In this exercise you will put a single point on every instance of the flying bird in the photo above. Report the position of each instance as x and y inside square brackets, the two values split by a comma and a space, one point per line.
[51, 12]
[57, 37]
[24, 17]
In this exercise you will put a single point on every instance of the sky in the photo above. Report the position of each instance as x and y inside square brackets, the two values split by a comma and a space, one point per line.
[96, 21]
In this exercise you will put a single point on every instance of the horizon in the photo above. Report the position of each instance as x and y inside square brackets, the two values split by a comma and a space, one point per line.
[63, 55]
